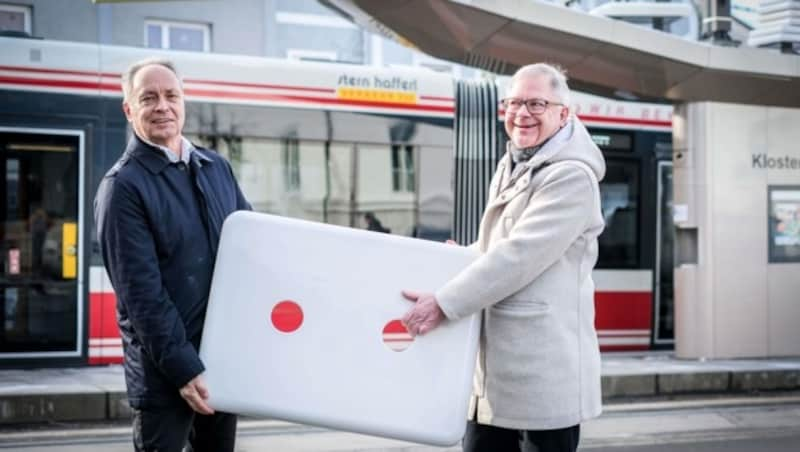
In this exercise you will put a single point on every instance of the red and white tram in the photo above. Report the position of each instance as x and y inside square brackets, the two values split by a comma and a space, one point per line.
[321, 141]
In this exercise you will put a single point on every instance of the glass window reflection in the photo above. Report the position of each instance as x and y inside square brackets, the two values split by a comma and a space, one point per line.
[619, 193]
[358, 185]
[39, 242]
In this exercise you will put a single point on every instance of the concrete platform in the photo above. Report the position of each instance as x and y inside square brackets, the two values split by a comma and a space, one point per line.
[662, 375]
[96, 394]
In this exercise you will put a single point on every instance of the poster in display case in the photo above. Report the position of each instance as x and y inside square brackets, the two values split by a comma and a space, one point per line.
[784, 223]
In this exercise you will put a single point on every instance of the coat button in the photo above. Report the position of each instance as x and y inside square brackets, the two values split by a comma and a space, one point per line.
[182, 166]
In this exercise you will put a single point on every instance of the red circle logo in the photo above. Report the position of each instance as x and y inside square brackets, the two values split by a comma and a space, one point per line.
[396, 337]
[287, 316]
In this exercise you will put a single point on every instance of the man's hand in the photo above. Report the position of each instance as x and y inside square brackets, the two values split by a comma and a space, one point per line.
[424, 316]
[195, 394]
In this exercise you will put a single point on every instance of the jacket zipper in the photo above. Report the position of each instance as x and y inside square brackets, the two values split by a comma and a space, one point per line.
[194, 169]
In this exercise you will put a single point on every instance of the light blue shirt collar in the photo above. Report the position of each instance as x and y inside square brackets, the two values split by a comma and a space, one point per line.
[186, 151]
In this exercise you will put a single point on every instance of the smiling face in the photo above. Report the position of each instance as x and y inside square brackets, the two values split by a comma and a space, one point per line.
[526, 129]
[154, 106]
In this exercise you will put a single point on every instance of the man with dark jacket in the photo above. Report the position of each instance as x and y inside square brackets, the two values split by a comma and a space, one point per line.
[159, 212]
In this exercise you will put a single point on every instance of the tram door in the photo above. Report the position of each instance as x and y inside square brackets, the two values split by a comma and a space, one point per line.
[39, 211]
[665, 238]
[635, 307]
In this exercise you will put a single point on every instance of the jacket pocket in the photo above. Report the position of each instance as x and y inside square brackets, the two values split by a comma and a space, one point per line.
[521, 307]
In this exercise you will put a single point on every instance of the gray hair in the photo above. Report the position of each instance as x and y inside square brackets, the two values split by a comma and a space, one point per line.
[130, 73]
[558, 79]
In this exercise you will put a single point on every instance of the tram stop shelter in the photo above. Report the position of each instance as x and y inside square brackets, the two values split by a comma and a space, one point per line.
[736, 164]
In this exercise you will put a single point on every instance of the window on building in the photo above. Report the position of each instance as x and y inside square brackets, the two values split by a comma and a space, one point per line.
[15, 18]
[388, 52]
[159, 34]
[403, 176]
[306, 31]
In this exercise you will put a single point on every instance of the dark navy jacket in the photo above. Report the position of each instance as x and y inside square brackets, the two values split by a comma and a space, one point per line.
[159, 224]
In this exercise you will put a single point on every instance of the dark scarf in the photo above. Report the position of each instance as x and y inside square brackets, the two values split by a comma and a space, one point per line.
[523, 155]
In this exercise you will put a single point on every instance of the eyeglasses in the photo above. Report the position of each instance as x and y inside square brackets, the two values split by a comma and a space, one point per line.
[534, 106]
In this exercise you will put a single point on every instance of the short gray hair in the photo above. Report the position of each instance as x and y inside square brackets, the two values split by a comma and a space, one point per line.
[558, 79]
[130, 73]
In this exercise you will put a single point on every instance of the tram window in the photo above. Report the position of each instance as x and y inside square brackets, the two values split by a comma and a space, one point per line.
[288, 176]
[299, 179]
[619, 193]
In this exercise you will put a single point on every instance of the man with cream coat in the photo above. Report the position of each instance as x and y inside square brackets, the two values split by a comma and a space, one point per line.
[538, 370]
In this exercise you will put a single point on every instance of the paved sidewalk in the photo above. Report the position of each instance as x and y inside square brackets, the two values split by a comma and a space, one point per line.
[98, 393]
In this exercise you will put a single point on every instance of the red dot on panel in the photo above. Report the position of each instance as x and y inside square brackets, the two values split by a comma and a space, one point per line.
[287, 316]
[396, 337]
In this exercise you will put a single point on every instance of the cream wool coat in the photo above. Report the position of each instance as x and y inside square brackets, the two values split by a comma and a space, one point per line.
[539, 360]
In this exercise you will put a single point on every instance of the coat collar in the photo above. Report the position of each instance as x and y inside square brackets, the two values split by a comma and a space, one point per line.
[553, 145]
[154, 159]
[508, 188]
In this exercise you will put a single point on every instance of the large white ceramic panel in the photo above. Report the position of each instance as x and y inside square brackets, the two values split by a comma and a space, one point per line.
[738, 203]
[335, 370]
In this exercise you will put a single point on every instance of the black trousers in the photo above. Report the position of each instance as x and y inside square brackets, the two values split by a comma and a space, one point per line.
[488, 438]
[169, 429]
